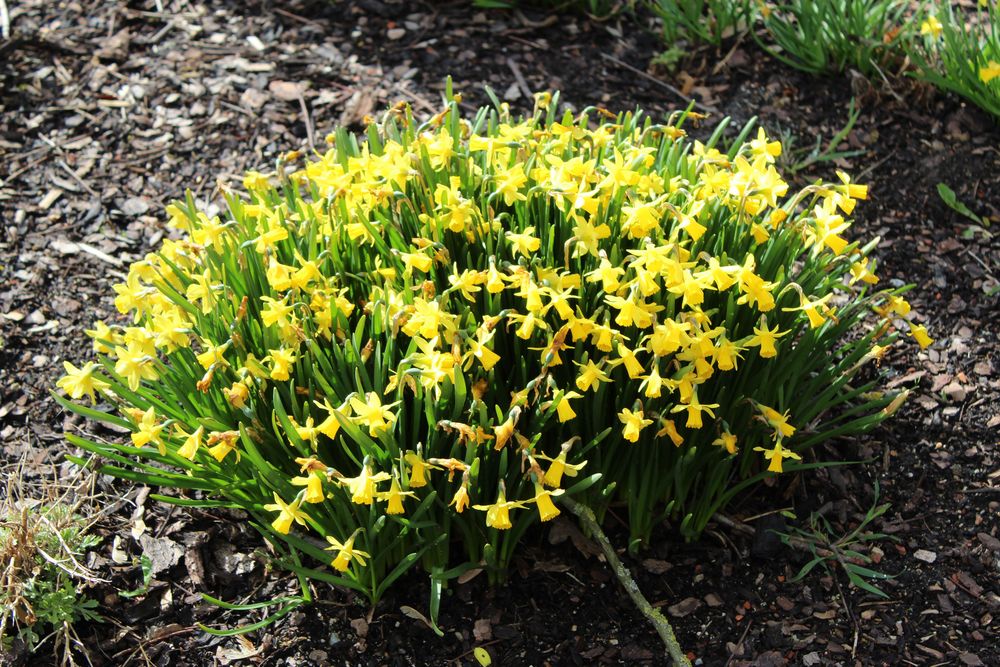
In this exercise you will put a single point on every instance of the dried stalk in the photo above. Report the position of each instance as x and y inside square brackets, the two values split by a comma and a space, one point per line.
[655, 616]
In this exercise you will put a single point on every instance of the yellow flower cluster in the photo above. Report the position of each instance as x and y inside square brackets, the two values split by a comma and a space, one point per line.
[517, 272]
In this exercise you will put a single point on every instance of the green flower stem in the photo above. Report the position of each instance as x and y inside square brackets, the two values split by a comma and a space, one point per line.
[655, 616]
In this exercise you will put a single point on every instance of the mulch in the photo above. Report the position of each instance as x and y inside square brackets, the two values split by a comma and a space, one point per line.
[109, 110]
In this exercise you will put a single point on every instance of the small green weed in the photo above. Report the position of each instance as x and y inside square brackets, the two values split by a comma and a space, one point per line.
[848, 552]
[41, 574]
[950, 199]
[794, 160]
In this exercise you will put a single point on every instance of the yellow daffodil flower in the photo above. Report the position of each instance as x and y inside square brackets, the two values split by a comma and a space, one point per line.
[372, 413]
[192, 443]
[776, 455]
[314, 487]
[727, 441]
[919, 333]
[80, 382]
[694, 410]
[362, 487]
[525, 243]
[669, 428]
[281, 360]
[287, 513]
[765, 338]
[591, 375]
[777, 420]
[149, 432]
[543, 501]
[559, 466]
[418, 469]
[135, 365]
[634, 423]
[221, 444]
[346, 552]
[931, 26]
[460, 501]
[104, 337]
[394, 497]
[989, 72]
[498, 514]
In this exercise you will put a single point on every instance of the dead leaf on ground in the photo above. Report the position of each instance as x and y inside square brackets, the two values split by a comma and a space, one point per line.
[410, 612]
[244, 649]
[163, 553]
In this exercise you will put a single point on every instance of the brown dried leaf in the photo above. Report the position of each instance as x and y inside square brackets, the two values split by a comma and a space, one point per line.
[410, 612]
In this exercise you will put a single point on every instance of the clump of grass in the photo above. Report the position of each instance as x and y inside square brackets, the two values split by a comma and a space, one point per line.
[43, 539]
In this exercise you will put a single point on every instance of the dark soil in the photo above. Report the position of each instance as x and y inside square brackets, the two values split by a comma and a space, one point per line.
[110, 109]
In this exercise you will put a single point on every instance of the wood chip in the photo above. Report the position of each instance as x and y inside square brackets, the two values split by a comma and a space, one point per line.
[656, 566]
[50, 198]
[360, 626]
[684, 607]
[482, 630]
[990, 542]
[287, 91]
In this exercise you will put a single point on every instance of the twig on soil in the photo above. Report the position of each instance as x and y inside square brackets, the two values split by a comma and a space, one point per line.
[160, 34]
[100, 254]
[662, 84]
[732, 654]
[29, 166]
[296, 17]
[519, 78]
[725, 60]
[655, 616]
[307, 121]
[74, 175]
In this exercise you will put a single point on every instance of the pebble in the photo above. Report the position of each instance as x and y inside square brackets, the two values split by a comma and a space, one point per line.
[990, 542]
[135, 206]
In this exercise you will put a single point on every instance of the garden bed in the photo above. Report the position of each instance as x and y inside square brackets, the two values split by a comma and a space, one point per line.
[110, 109]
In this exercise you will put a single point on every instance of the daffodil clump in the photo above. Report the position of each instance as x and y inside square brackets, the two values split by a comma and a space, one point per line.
[959, 51]
[437, 332]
